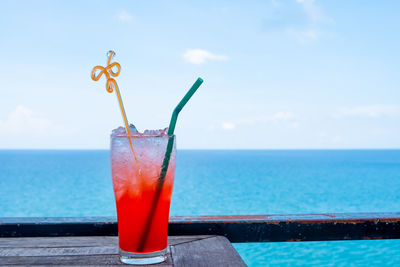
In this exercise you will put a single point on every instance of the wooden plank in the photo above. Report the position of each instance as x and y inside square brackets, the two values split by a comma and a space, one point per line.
[65, 241]
[66, 251]
[212, 251]
[94, 260]
[100, 251]
[98, 260]
[79, 241]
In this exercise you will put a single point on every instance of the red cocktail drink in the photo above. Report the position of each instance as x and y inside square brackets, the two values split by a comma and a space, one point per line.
[143, 168]
[135, 187]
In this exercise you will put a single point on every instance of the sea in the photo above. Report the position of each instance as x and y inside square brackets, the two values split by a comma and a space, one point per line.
[71, 183]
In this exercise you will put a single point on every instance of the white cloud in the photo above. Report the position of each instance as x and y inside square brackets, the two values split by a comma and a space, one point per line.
[23, 122]
[125, 16]
[228, 125]
[371, 111]
[275, 3]
[311, 31]
[287, 117]
[313, 11]
[200, 56]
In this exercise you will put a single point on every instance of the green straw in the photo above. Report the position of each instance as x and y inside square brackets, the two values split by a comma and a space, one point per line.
[165, 164]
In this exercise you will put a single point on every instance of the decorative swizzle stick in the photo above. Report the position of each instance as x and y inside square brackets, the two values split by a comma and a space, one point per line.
[111, 85]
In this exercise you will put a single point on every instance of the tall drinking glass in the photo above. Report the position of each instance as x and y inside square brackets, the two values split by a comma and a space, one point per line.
[135, 185]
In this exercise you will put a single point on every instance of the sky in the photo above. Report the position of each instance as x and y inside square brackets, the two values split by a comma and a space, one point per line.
[295, 74]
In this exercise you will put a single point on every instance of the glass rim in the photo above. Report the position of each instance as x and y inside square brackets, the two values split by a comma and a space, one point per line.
[141, 136]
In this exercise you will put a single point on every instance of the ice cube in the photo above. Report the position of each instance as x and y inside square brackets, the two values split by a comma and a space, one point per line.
[120, 131]
[160, 132]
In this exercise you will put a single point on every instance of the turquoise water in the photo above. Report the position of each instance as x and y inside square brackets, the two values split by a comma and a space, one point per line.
[78, 183]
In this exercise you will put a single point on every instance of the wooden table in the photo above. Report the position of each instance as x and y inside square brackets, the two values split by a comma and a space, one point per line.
[201, 250]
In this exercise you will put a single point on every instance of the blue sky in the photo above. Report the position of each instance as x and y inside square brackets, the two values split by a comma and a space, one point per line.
[278, 74]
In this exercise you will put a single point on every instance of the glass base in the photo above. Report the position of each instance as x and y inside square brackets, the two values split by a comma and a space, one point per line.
[142, 258]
